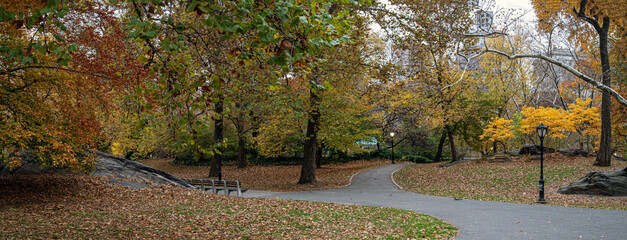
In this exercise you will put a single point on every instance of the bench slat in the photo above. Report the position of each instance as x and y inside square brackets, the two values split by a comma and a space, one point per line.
[217, 185]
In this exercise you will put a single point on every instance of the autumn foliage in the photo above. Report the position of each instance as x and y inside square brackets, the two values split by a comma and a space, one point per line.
[51, 105]
[298, 78]
[580, 118]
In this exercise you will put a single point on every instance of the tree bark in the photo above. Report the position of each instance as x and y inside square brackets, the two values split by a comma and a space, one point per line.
[308, 170]
[240, 124]
[604, 158]
[242, 162]
[218, 136]
[319, 155]
[449, 131]
[438, 154]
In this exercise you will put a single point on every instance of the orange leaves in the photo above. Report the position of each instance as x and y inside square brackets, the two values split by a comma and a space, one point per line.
[273, 178]
[22, 6]
[552, 13]
[514, 181]
[548, 11]
[73, 206]
[52, 110]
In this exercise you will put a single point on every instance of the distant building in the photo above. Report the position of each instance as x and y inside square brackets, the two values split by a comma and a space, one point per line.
[483, 21]
[482, 25]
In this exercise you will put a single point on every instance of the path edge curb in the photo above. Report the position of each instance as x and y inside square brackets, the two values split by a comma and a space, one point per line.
[350, 181]
[392, 177]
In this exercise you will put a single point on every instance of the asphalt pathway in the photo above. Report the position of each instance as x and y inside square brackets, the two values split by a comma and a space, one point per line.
[474, 219]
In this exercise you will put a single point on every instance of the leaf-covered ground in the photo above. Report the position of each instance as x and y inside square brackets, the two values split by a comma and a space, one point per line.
[273, 178]
[84, 207]
[515, 181]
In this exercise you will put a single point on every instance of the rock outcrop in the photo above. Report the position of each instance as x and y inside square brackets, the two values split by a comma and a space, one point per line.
[599, 183]
[106, 165]
[109, 165]
[534, 149]
[572, 152]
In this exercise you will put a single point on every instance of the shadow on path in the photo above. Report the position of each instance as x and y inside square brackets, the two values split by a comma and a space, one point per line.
[474, 219]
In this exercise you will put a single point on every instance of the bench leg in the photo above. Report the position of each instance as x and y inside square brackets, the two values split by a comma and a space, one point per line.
[226, 190]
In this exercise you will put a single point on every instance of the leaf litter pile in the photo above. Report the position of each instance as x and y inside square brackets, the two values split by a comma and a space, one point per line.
[273, 178]
[515, 181]
[79, 207]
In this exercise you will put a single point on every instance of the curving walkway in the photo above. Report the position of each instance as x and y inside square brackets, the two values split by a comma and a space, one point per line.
[474, 219]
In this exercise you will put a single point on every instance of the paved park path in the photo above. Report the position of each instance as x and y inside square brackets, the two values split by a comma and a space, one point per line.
[474, 219]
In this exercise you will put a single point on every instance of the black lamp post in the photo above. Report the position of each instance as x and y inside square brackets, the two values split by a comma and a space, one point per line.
[542, 131]
[392, 135]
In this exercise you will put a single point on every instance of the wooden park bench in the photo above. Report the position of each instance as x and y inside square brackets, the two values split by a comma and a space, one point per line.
[217, 185]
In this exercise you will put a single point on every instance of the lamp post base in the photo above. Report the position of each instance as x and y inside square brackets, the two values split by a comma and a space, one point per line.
[541, 201]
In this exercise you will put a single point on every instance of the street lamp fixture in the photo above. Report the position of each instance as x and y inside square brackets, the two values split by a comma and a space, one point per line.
[392, 135]
[542, 132]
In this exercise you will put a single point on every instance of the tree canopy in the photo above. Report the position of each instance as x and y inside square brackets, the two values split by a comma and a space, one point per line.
[211, 81]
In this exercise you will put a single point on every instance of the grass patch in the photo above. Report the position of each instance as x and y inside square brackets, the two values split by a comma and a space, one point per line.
[273, 178]
[48, 206]
[515, 181]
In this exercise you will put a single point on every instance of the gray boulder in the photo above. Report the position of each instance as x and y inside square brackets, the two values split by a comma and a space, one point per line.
[106, 165]
[109, 165]
[534, 149]
[572, 152]
[599, 183]
[514, 152]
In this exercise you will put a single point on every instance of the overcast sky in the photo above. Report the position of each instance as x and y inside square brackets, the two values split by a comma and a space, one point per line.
[501, 5]
[518, 4]
[526, 4]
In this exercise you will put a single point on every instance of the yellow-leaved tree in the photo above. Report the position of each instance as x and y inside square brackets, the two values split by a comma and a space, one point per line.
[586, 20]
[498, 130]
[586, 120]
[581, 117]
[557, 120]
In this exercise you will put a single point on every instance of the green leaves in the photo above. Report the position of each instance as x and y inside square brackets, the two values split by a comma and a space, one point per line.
[27, 60]
[266, 36]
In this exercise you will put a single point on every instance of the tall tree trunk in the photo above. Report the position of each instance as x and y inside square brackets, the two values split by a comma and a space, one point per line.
[308, 170]
[438, 154]
[253, 123]
[242, 162]
[604, 158]
[449, 131]
[319, 155]
[218, 136]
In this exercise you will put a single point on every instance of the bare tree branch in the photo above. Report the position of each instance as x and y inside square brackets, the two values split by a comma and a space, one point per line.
[578, 74]
[53, 68]
[468, 59]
